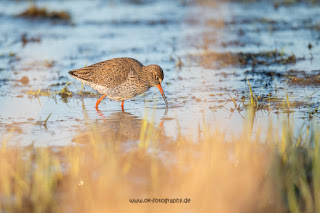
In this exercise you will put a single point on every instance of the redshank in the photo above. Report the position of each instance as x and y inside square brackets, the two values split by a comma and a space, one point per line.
[120, 78]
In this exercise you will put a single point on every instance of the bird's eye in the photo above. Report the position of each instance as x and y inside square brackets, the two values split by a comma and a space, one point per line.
[157, 78]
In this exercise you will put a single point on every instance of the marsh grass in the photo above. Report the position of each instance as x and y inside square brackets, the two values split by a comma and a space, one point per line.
[64, 93]
[274, 171]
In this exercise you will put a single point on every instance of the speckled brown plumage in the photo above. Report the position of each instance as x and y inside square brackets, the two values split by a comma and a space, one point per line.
[120, 78]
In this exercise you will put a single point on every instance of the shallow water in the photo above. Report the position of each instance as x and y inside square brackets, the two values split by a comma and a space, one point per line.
[160, 33]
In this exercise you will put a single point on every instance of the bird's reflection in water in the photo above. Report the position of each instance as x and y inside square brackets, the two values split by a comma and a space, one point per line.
[139, 145]
[123, 126]
[120, 127]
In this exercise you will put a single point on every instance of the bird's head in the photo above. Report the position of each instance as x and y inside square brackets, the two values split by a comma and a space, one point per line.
[155, 78]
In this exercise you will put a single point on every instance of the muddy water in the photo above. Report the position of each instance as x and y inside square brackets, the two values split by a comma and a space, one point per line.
[206, 53]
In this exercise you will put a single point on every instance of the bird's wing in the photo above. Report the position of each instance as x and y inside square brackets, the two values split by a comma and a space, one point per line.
[109, 73]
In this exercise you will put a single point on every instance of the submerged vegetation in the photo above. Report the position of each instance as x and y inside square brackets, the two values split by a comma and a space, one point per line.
[219, 60]
[41, 12]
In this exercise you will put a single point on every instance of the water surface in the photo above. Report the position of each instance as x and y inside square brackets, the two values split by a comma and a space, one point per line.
[195, 45]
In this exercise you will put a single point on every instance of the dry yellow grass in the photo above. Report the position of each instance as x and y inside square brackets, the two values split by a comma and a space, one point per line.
[243, 174]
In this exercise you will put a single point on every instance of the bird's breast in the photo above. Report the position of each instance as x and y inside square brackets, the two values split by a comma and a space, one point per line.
[126, 90]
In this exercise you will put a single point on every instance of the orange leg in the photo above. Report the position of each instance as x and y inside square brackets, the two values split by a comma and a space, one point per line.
[161, 124]
[100, 114]
[122, 105]
[99, 100]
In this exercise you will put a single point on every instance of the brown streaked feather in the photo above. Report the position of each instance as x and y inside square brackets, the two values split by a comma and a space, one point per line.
[109, 73]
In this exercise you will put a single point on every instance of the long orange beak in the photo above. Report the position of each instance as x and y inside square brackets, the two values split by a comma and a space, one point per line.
[162, 93]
